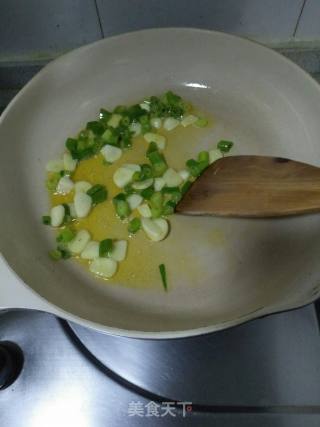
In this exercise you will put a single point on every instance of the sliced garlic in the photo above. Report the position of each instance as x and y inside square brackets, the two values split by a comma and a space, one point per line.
[188, 120]
[119, 250]
[132, 166]
[82, 204]
[134, 201]
[57, 215]
[82, 186]
[184, 174]
[172, 178]
[156, 122]
[91, 251]
[80, 241]
[159, 183]
[145, 105]
[69, 163]
[65, 185]
[104, 267]
[111, 153]
[54, 165]
[124, 174]
[155, 229]
[141, 185]
[135, 127]
[144, 210]
[170, 123]
[72, 210]
[122, 177]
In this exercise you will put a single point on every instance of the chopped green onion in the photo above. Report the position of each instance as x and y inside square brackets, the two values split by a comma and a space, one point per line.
[123, 209]
[163, 274]
[128, 189]
[201, 122]
[96, 127]
[52, 181]
[111, 137]
[174, 193]
[105, 247]
[156, 211]
[169, 190]
[105, 115]
[146, 172]
[159, 164]
[168, 208]
[169, 105]
[147, 193]
[120, 109]
[158, 169]
[85, 146]
[158, 161]
[155, 157]
[125, 121]
[134, 225]
[193, 167]
[203, 156]
[152, 147]
[136, 176]
[65, 235]
[121, 206]
[156, 200]
[98, 193]
[71, 145]
[134, 112]
[125, 137]
[46, 220]
[118, 197]
[203, 166]
[66, 208]
[185, 187]
[65, 254]
[145, 123]
[224, 146]
[59, 253]
[156, 204]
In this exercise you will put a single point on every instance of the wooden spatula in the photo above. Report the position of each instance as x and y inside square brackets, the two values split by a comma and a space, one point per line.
[254, 186]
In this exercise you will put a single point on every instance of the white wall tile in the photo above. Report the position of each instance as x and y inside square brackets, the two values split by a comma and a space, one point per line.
[266, 20]
[309, 24]
[35, 28]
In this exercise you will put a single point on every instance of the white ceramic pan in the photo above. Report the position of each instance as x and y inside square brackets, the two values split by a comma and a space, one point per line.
[260, 99]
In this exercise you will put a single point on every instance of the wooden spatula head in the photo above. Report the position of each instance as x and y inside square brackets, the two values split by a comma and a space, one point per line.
[254, 186]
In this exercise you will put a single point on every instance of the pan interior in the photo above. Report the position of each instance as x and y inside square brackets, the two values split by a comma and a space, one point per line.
[231, 267]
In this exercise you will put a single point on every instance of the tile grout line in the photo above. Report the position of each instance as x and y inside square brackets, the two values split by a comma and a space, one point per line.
[299, 18]
[99, 18]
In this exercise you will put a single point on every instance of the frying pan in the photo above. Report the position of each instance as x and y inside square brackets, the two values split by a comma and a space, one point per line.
[268, 105]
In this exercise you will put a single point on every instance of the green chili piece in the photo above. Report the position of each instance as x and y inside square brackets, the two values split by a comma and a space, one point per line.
[65, 235]
[224, 146]
[98, 193]
[134, 225]
[163, 274]
[105, 247]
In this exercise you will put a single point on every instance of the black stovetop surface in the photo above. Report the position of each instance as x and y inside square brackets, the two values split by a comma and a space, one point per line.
[263, 373]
